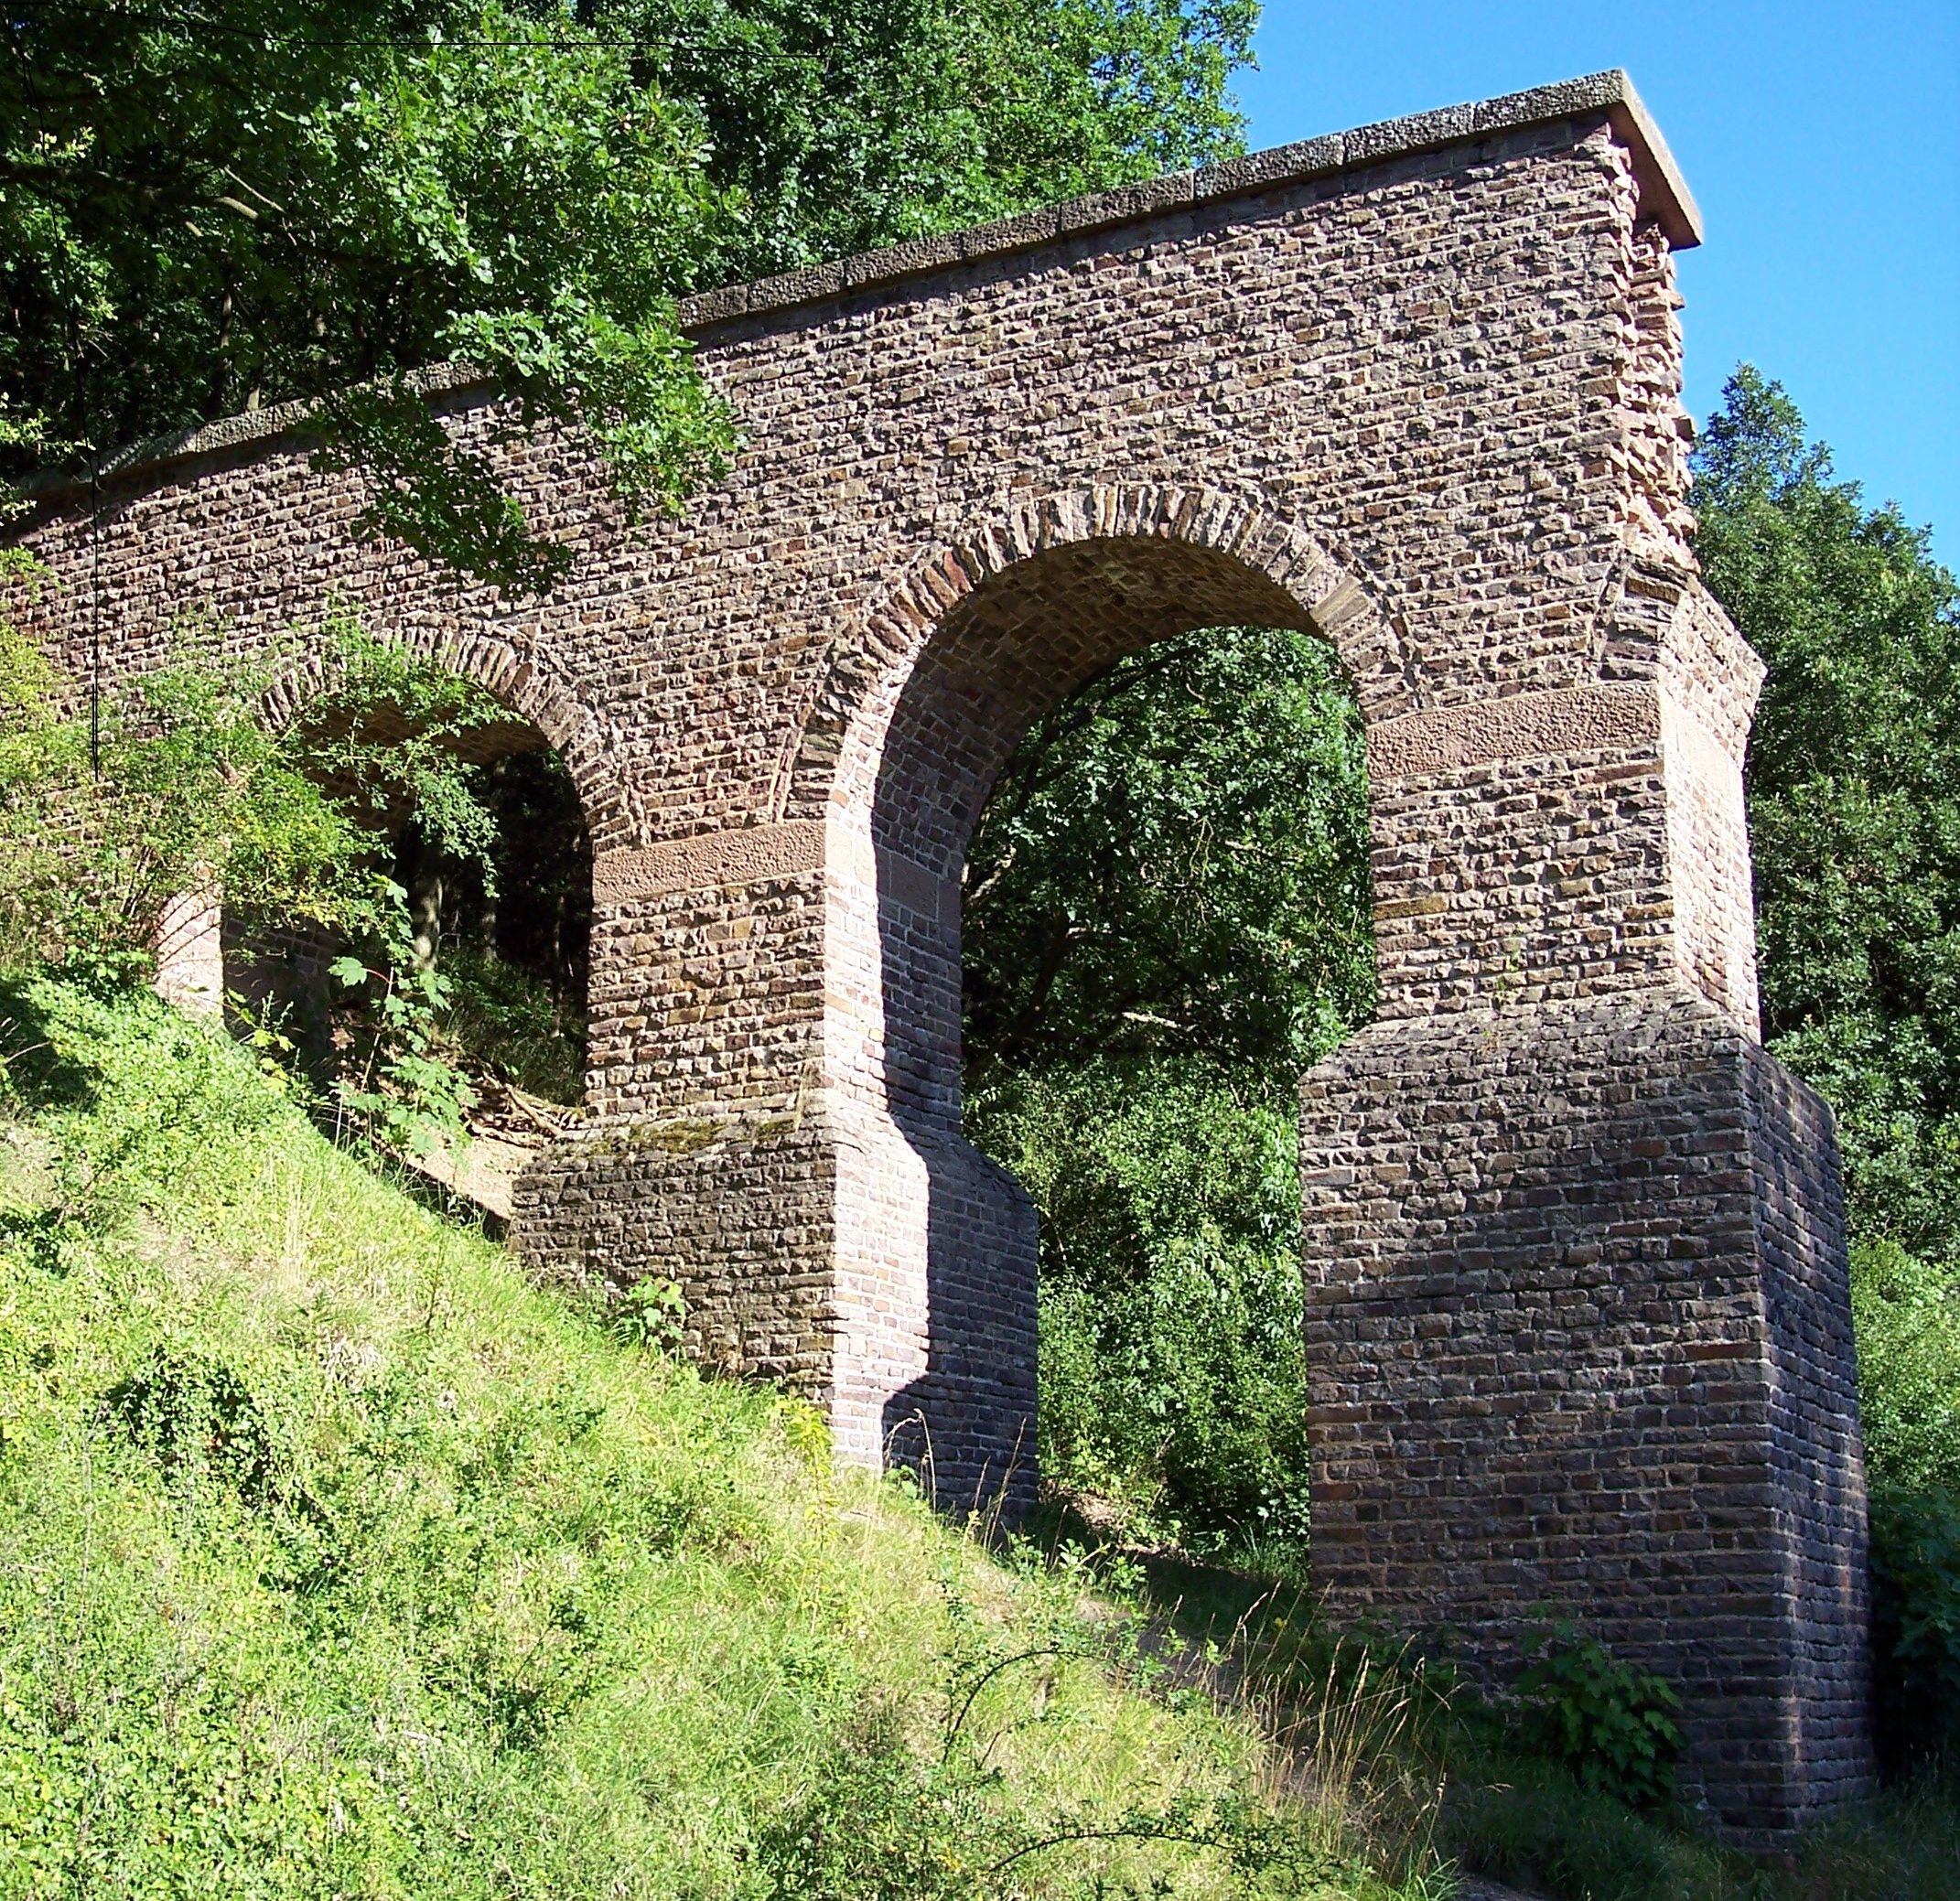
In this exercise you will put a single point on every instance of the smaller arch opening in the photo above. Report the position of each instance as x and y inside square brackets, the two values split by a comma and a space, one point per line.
[478, 861]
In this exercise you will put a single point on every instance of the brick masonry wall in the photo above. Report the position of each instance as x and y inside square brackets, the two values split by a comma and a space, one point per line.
[742, 1213]
[1817, 1456]
[1578, 1324]
[1573, 1274]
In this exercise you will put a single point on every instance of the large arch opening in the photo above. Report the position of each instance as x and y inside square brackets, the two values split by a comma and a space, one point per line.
[1165, 923]
[1017, 1003]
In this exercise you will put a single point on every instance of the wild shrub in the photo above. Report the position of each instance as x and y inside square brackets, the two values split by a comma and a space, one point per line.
[177, 782]
[1612, 1725]
[882, 1822]
[396, 1087]
[1916, 1573]
[502, 1020]
[194, 1416]
[652, 1314]
[1171, 1369]
[1908, 1312]
[1165, 921]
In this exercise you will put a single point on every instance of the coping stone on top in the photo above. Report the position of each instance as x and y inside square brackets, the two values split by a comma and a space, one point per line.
[1664, 198]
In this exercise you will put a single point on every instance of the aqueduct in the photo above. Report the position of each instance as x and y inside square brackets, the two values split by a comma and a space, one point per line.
[1576, 1313]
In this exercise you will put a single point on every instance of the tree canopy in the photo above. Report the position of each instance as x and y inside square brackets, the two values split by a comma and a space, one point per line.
[1175, 864]
[205, 208]
[1854, 796]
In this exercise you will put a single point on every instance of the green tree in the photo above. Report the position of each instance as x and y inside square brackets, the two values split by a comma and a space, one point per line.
[207, 207]
[1175, 864]
[1854, 800]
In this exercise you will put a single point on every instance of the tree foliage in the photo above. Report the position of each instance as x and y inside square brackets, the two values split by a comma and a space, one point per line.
[208, 208]
[1172, 1359]
[1854, 788]
[1175, 862]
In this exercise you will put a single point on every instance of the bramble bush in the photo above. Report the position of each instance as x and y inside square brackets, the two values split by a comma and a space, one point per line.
[1612, 1725]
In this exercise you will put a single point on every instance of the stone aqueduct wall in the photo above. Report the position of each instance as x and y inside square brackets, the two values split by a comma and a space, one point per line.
[1576, 1315]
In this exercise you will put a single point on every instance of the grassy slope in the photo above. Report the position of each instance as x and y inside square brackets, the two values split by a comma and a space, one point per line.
[336, 1561]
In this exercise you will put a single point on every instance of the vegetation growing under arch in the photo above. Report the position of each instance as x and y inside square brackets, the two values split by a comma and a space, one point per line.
[1167, 921]
[340, 831]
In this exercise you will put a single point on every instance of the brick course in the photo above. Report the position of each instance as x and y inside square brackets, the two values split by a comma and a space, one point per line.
[1577, 1316]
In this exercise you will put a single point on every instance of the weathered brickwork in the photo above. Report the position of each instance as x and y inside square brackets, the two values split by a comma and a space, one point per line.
[1578, 1335]
[1576, 1313]
[1816, 1461]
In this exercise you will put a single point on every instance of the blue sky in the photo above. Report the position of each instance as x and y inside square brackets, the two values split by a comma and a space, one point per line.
[1822, 142]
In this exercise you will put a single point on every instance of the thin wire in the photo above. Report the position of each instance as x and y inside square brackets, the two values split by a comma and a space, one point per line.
[258, 37]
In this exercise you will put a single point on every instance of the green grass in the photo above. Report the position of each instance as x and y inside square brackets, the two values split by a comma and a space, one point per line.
[337, 1561]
